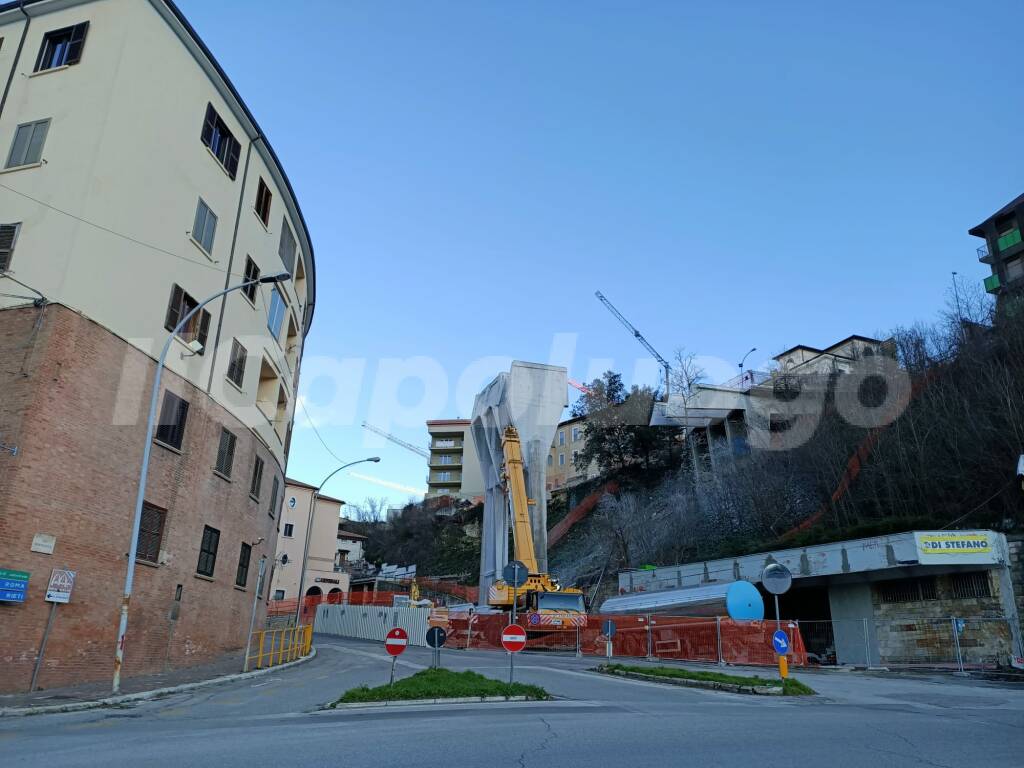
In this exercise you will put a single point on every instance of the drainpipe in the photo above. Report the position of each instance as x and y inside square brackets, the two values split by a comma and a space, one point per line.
[17, 56]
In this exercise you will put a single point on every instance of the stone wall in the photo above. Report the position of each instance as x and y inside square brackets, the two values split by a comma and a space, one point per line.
[921, 632]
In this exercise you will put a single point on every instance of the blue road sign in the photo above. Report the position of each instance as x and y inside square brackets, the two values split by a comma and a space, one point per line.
[780, 642]
[13, 585]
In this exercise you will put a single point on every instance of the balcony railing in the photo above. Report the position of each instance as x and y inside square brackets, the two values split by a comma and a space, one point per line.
[441, 445]
[983, 255]
[1008, 240]
[746, 380]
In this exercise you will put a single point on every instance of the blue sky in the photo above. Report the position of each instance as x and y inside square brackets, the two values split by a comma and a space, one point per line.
[729, 174]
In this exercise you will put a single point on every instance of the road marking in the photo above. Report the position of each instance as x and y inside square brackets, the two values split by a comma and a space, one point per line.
[379, 657]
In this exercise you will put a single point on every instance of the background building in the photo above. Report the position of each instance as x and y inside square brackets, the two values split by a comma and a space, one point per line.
[136, 183]
[453, 466]
[569, 442]
[324, 571]
[1004, 247]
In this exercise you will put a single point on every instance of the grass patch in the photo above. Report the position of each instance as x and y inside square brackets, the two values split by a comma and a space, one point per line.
[791, 687]
[441, 684]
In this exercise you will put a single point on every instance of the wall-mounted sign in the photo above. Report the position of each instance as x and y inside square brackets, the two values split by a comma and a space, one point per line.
[955, 547]
[44, 543]
[13, 586]
[60, 586]
[328, 581]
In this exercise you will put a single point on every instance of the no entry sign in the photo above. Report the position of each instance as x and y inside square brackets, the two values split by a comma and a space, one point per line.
[513, 638]
[396, 641]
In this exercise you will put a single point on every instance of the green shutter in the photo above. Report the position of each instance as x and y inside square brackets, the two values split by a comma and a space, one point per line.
[992, 283]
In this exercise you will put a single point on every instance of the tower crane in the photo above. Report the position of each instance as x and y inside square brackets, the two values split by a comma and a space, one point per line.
[639, 337]
[397, 441]
[581, 387]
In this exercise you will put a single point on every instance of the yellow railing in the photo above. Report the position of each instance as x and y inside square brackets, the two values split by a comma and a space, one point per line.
[271, 647]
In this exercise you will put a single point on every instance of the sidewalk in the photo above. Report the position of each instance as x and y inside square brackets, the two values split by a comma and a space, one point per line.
[227, 664]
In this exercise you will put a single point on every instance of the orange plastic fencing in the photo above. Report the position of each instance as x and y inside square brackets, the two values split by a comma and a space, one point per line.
[668, 637]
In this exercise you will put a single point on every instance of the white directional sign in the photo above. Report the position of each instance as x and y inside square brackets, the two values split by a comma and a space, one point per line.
[60, 586]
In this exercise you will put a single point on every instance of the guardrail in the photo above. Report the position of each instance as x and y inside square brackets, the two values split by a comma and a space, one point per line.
[273, 647]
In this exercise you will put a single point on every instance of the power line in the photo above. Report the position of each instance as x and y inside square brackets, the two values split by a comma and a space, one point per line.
[316, 432]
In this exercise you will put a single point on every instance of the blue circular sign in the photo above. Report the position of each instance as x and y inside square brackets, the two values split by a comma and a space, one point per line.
[780, 642]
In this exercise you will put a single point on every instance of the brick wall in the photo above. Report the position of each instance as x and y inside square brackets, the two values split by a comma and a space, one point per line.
[75, 477]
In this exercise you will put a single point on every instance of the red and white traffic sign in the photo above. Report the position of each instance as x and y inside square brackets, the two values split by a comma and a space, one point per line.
[396, 641]
[513, 638]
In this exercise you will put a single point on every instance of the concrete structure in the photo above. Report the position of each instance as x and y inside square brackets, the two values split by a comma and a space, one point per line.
[1004, 248]
[569, 441]
[530, 397]
[730, 418]
[324, 573]
[886, 599]
[136, 183]
[453, 466]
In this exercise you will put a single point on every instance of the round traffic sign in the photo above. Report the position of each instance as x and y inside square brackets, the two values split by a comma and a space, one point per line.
[780, 642]
[608, 628]
[776, 578]
[515, 573]
[513, 638]
[436, 637]
[396, 641]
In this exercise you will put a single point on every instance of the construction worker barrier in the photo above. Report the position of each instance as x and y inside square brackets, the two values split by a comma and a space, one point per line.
[272, 647]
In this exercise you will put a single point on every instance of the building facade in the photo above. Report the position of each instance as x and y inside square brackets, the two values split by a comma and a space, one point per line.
[135, 184]
[1003, 250]
[453, 466]
[568, 444]
[324, 574]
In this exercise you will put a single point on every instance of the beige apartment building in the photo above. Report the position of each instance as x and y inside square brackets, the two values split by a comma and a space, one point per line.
[136, 183]
[455, 468]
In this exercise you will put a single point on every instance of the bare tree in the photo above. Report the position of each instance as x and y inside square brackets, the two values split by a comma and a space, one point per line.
[686, 373]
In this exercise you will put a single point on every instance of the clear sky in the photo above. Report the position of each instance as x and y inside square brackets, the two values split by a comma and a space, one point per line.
[730, 175]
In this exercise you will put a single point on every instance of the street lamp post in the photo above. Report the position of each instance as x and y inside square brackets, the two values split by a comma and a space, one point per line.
[129, 578]
[752, 350]
[309, 529]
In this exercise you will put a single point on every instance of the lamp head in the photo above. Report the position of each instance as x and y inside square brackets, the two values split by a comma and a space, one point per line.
[280, 277]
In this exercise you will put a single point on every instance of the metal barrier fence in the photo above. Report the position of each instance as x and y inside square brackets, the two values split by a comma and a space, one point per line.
[370, 622]
[283, 611]
[936, 643]
[272, 647]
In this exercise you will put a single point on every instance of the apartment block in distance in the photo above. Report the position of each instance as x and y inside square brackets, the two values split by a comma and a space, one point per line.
[1003, 250]
[453, 466]
[136, 184]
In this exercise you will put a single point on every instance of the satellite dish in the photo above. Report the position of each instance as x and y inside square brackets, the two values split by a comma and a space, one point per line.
[776, 578]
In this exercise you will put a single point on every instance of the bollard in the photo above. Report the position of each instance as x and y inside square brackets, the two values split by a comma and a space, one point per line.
[783, 667]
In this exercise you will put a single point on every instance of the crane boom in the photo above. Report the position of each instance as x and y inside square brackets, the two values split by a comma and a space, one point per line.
[522, 534]
[639, 337]
[397, 441]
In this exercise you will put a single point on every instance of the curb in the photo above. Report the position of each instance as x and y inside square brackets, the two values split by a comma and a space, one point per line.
[758, 690]
[414, 702]
[113, 701]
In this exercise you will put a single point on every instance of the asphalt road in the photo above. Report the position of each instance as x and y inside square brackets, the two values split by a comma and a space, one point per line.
[858, 721]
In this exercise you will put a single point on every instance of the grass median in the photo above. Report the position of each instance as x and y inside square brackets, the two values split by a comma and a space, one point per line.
[790, 687]
[441, 684]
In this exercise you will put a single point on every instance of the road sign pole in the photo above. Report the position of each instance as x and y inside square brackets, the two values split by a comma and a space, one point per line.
[391, 682]
[42, 646]
[515, 599]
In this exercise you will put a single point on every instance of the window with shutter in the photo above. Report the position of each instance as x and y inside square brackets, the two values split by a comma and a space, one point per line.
[252, 272]
[204, 227]
[220, 141]
[62, 47]
[208, 551]
[151, 533]
[27, 148]
[255, 485]
[8, 237]
[225, 453]
[275, 488]
[236, 363]
[286, 248]
[198, 326]
[263, 198]
[173, 415]
[242, 574]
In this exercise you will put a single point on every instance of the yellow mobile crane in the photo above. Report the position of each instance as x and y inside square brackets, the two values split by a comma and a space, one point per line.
[545, 605]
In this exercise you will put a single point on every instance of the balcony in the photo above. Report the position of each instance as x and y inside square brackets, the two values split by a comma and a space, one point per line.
[984, 256]
[992, 284]
[1008, 240]
[437, 463]
[446, 445]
